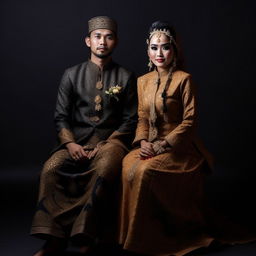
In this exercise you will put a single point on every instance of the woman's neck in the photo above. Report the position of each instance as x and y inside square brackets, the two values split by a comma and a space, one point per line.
[162, 70]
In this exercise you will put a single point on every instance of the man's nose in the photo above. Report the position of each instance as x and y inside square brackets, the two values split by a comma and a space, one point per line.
[103, 40]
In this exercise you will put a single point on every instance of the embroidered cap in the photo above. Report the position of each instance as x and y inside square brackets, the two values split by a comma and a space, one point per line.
[102, 22]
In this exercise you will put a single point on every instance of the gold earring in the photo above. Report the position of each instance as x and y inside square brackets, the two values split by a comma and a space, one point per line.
[150, 64]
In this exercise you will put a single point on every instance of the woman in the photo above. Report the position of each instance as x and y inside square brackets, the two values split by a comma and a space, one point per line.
[162, 196]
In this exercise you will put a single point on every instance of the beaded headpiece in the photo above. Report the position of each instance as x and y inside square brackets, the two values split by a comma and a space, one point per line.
[159, 32]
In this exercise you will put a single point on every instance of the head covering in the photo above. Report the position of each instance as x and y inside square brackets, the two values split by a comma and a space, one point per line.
[102, 22]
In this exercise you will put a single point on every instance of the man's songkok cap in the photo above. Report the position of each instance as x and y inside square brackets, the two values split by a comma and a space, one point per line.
[102, 22]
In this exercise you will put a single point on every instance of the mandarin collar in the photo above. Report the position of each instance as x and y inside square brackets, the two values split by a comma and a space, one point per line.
[97, 68]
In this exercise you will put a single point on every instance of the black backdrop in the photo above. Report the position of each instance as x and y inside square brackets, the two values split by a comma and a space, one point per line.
[39, 39]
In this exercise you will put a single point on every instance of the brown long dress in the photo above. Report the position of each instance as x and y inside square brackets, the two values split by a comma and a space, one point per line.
[162, 197]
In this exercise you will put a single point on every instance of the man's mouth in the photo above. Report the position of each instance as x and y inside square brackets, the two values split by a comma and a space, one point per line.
[102, 48]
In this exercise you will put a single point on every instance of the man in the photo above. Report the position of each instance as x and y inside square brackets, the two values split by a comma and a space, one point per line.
[95, 119]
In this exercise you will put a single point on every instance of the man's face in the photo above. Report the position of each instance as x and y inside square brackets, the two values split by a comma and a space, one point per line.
[102, 42]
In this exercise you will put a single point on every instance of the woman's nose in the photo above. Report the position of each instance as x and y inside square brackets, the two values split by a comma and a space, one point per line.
[159, 52]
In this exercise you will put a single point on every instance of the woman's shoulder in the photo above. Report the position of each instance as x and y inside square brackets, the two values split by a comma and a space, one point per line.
[147, 76]
[153, 74]
[180, 74]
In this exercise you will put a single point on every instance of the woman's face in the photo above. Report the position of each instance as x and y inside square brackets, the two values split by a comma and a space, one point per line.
[160, 51]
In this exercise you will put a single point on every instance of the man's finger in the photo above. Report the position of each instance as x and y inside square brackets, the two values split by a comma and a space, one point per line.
[89, 154]
[83, 153]
[74, 157]
[86, 153]
[79, 154]
[93, 153]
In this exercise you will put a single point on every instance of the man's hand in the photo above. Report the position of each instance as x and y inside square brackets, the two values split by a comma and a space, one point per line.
[146, 149]
[76, 151]
[92, 153]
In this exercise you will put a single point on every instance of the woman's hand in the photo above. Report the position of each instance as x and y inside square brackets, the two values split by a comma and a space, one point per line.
[76, 151]
[160, 146]
[146, 149]
[164, 144]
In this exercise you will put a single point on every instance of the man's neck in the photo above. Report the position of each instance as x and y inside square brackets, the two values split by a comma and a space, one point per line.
[100, 62]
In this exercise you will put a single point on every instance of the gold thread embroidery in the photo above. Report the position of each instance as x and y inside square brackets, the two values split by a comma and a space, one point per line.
[94, 118]
[99, 85]
[65, 135]
[98, 100]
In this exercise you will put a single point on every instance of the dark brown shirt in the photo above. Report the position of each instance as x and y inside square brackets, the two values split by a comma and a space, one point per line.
[84, 110]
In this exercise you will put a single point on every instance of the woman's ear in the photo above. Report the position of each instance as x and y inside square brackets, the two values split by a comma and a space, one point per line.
[148, 53]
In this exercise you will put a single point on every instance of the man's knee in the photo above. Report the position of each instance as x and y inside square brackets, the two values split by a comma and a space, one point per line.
[109, 160]
[54, 162]
[112, 150]
[111, 155]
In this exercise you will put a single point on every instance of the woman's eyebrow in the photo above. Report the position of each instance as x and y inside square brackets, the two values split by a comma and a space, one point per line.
[165, 44]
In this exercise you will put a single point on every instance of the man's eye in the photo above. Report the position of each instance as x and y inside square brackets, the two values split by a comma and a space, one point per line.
[110, 37]
[153, 48]
[97, 36]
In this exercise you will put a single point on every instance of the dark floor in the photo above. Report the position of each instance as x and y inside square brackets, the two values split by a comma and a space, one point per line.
[18, 192]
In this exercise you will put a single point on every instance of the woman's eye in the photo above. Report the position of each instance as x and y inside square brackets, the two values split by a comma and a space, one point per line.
[153, 48]
[166, 48]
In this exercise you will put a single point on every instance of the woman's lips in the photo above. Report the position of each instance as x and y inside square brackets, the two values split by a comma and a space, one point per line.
[160, 60]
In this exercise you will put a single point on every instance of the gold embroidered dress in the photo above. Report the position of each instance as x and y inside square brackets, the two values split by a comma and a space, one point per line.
[162, 196]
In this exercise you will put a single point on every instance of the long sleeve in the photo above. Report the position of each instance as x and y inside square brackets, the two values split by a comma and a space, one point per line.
[142, 130]
[186, 128]
[63, 111]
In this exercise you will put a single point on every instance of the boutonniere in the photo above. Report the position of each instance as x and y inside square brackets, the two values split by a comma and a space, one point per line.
[113, 91]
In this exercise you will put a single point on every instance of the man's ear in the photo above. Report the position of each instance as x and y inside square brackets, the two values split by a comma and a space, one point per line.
[87, 41]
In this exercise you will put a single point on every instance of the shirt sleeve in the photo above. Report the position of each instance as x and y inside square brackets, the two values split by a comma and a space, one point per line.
[142, 130]
[186, 128]
[63, 110]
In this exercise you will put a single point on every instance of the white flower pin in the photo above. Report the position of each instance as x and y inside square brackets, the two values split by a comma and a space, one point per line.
[113, 91]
